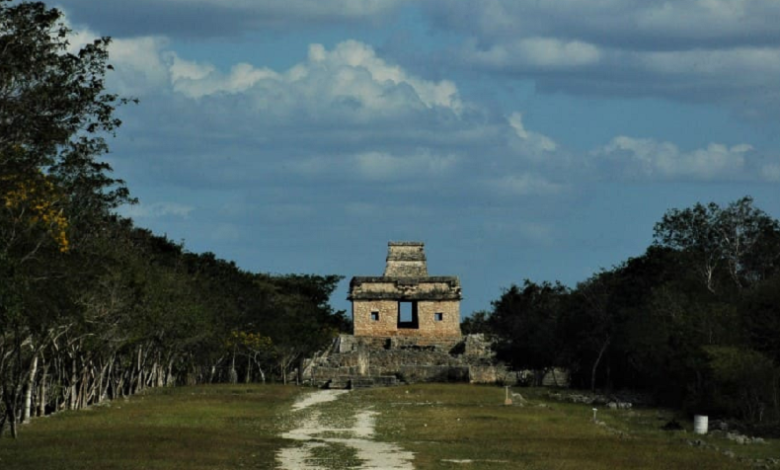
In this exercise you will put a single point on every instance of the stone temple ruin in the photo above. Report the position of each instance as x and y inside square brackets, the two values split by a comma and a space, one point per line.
[406, 328]
[405, 301]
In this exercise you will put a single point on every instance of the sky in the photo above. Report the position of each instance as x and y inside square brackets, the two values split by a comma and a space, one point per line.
[518, 139]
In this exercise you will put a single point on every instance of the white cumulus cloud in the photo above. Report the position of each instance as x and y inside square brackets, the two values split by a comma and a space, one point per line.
[350, 80]
[648, 158]
[533, 142]
[535, 52]
[420, 164]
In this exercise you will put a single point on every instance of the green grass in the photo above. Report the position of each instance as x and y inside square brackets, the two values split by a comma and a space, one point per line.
[214, 427]
[454, 422]
[239, 427]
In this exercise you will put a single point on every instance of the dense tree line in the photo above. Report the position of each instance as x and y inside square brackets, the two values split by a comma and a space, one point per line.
[92, 307]
[695, 320]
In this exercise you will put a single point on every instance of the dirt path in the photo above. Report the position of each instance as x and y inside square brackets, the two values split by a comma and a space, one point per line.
[319, 442]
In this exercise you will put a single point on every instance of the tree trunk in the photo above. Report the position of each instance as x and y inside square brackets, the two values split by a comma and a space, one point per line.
[42, 391]
[596, 365]
[248, 376]
[72, 386]
[259, 368]
[109, 372]
[233, 375]
[12, 418]
[29, 389]
[9, 400]
[138, 365]
[169, 372]
[214, 369]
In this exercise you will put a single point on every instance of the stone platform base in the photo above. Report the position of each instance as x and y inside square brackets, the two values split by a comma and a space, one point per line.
[355, 362]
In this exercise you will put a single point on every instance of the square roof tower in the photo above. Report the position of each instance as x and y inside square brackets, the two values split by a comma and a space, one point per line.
[406, 259]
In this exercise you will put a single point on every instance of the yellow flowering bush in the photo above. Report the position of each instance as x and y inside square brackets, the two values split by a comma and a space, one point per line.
[251, 341]
[36, 201]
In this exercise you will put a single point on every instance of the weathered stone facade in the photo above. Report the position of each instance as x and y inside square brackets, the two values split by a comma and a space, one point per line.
[421, 344]
[353, 362]
[432, 303]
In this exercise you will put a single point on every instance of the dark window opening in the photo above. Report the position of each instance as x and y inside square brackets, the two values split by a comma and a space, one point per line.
[375, 316]
[438, 316]
[407, 315]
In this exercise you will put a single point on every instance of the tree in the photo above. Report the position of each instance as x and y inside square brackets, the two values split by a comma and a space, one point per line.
[760, 313]
[475, 324]
[590, 323]
[53, 103]
[742, 383]
[739, 240]
[303, 322]
[54, 113]
[525, 322]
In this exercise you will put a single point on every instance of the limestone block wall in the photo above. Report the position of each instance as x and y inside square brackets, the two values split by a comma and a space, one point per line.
[387, 323]
[430, 288]
[406, 268]
[405, 259]
[449, 326]
[411, 359]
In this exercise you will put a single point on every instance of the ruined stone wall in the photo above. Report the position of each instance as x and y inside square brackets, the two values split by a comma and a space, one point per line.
[449, 326]
[410, 359]
[405, 259]
[406, 288]
[387, 323]
[405, 268]
[435, 300]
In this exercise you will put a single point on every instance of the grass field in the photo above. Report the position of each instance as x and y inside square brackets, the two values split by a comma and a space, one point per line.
[444, 426]
[194, 428]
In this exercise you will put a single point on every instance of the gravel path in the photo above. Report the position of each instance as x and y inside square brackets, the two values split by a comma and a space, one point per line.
[313, 434]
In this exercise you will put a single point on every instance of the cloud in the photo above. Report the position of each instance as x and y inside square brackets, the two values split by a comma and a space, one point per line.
[714, 51]
[157, 210]
[423, 164]
[771, 172]
[347, 117]
[524, 185]
[197, 80]
[536, 52]
[414, 165]
[350, 81]
[204, 18]
[529, 141]
[634, 24]
[650, 159]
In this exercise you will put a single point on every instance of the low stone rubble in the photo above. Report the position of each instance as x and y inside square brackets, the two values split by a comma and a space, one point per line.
[614, 401]
[739, 439]
[744, 440]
